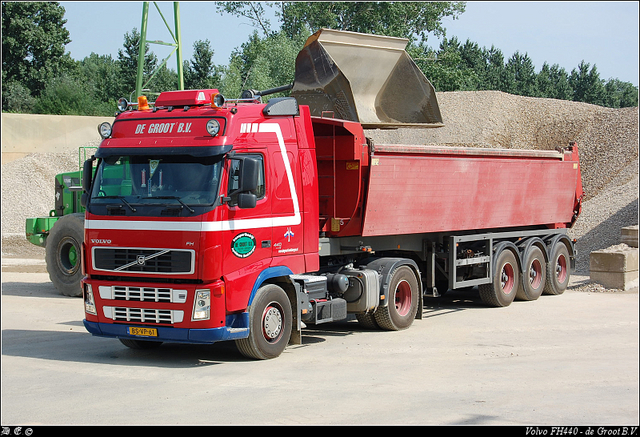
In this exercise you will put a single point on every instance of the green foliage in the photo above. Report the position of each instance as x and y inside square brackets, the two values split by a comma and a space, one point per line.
[201, 72]
[33, 42]
[413, 20]
[38, 76]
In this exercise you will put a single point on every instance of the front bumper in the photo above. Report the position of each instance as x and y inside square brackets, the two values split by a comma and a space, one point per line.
[237, 327]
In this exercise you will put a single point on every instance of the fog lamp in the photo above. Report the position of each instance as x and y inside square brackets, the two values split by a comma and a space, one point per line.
[104, 129]
[213, 127]
[202, 305]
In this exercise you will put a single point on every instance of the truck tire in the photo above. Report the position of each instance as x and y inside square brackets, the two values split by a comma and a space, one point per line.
[62, 255]
[534, 274]
[367, 321]
[401, 308]
[270, 324]
[139, 344]
[557, 270]
[505, 281]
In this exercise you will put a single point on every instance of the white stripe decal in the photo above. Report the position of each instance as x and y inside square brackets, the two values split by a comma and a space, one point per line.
[225, 225]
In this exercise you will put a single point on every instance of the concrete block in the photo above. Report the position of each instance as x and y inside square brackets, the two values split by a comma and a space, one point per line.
[618, 280]
[629, 236]
[614, 260]
[615, 267]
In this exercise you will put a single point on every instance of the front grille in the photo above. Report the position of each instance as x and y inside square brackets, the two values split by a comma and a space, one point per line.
[157, 261]
[142, 315]
[142, 294]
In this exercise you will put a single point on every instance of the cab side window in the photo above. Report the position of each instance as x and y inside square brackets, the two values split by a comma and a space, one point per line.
[234, 173]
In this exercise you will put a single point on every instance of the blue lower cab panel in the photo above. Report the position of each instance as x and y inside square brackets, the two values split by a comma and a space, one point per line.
[237, 326]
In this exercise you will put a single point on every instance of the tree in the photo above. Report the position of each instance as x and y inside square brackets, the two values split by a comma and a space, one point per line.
[521, 68]
[620, 94]
[33, 44]
[586, 84]
[128, 62]
[413, 20]
[201, 72]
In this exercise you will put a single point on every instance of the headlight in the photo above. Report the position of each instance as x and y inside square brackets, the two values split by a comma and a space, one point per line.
[213, 127]
[202, 305]
[104, 129]
[89, 303]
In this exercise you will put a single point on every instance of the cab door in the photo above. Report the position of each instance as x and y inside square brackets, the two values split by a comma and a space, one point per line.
[247, 232]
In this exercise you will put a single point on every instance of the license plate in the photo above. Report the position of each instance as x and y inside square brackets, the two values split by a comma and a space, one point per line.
[144, 332]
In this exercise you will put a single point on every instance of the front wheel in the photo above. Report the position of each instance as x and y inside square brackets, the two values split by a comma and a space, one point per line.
[401, 309]
[270, 324]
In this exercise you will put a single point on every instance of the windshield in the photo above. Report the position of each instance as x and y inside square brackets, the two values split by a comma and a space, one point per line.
[144, 180]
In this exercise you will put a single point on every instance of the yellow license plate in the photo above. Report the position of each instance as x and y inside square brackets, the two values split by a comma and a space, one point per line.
[144, 332]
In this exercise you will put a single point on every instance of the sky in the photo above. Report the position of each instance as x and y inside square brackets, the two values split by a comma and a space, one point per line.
[563, 33]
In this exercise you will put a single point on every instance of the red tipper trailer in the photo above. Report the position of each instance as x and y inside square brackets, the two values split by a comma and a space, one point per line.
[211, 220]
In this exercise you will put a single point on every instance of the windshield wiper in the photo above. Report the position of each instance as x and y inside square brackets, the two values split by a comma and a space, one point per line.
[120, 198]
[175, 198]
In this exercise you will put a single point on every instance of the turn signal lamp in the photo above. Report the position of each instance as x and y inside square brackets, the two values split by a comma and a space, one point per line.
[143, 103]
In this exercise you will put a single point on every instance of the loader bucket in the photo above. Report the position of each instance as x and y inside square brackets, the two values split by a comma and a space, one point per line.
[365, 78]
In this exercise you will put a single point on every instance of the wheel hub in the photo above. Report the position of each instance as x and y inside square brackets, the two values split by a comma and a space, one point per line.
[272, 323]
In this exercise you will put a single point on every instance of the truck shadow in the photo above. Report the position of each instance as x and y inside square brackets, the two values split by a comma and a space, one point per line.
[33, 289]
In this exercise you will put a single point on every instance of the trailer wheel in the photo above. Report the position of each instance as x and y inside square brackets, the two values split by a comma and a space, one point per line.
[139, 344]
[502, 290]
[62, 255]
[403, 301]
[534, 273]
[270, 322]
[557, 270]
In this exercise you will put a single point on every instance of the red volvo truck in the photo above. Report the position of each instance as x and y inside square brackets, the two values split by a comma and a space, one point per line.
[210, 220]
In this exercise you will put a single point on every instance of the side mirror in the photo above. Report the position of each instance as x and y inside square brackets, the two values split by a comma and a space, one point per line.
[246, 200]
[87, 174]
[249, 175]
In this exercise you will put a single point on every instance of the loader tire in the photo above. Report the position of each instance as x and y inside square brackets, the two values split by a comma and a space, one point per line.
[62, 255]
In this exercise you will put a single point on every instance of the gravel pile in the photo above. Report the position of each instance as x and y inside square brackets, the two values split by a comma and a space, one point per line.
[607, 139]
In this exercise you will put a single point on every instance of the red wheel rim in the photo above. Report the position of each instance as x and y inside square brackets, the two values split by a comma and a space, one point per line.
[561, 269]
[507, 278]
[535, 274]
[403, 298]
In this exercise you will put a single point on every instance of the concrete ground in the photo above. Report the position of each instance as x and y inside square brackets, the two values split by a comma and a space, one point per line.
[561, 360]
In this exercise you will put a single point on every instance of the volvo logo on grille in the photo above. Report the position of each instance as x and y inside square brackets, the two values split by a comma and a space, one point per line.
[140, 259]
